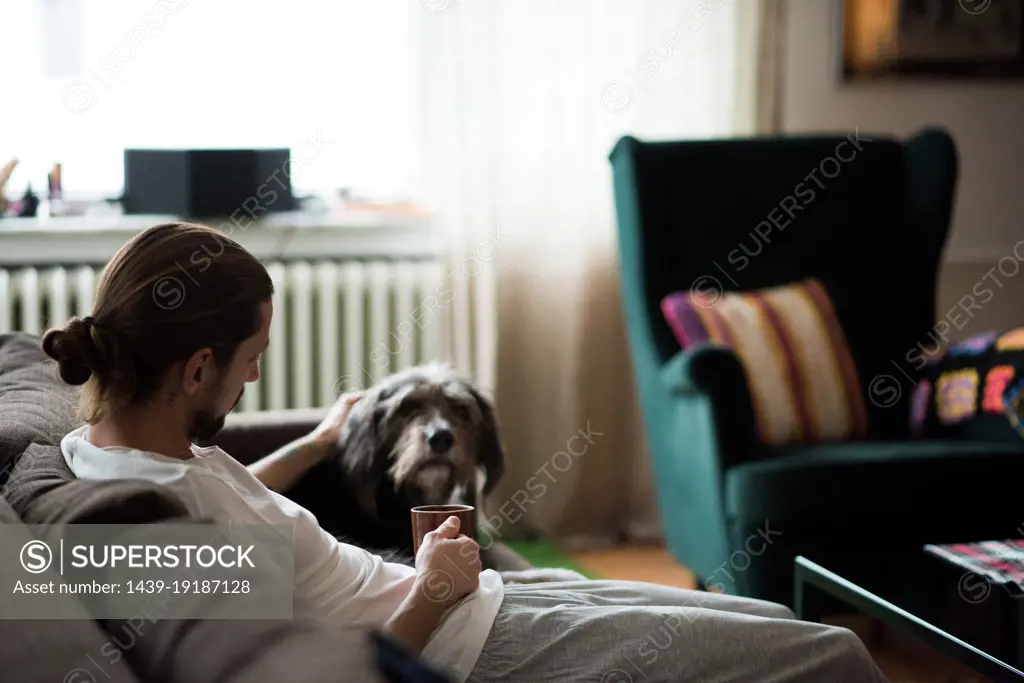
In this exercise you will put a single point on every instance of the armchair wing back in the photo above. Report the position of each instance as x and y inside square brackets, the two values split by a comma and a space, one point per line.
[866, 214]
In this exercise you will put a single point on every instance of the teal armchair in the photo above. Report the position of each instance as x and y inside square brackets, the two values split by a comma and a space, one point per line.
[867, 214]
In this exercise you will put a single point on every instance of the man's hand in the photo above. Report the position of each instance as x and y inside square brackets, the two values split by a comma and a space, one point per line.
[448, 564]
[447, 570]
[328, 432]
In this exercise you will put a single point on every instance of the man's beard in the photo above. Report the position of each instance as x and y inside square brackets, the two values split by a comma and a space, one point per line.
[206, 423]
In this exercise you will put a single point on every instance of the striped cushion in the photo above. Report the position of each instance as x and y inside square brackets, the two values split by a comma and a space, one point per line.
[802, 378]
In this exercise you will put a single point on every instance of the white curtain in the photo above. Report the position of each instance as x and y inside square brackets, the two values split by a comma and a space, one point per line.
[517, 104]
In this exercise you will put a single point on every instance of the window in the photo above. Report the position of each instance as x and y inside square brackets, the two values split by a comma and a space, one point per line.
[88, 78]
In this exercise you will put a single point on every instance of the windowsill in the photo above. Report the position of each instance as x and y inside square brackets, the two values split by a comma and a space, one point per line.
[361, 232]
[352, 214]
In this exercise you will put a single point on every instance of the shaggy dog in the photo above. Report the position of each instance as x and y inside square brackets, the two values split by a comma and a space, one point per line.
[422, 436]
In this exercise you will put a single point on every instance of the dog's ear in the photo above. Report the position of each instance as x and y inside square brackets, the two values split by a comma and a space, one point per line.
[359, 459]
[490, 453]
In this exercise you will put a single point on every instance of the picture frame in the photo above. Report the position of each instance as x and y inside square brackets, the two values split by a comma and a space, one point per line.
[931, 39]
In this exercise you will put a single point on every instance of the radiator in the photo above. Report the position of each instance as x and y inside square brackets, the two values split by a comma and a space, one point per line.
[338, 324]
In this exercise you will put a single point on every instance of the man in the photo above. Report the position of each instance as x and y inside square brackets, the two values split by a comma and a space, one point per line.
[162, 365]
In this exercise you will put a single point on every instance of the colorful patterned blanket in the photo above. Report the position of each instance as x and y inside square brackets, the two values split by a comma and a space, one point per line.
[1000, 562]
[972, 390]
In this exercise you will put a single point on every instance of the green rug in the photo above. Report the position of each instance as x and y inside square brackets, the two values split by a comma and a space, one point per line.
[545, 554]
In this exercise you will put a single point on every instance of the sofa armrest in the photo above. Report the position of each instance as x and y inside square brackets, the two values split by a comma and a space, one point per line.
[249, 436]
[43, 490]
[302, 649]
[53, 649]
[716, 373]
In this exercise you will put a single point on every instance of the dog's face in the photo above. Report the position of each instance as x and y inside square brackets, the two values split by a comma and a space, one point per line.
[426, 433]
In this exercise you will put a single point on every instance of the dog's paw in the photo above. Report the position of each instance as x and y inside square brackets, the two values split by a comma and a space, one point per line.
[545, 575]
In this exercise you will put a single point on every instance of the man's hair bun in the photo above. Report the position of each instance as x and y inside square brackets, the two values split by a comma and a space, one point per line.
[74, 349]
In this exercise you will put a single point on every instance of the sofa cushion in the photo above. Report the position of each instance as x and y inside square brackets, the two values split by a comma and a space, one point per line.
[898, 483]
[36, 406]
[800, 373]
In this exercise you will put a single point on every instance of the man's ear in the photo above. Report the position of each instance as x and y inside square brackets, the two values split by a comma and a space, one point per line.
[490, 454]
[198, 372]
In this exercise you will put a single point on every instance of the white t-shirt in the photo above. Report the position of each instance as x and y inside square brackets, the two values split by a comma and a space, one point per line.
[346, 584]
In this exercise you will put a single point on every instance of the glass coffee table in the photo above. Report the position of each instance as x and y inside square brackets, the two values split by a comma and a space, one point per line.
[958, 612]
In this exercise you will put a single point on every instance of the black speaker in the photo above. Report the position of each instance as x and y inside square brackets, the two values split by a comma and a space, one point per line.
[208, 183]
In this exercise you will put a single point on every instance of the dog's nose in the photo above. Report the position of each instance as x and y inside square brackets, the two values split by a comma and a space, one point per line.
[440, 440]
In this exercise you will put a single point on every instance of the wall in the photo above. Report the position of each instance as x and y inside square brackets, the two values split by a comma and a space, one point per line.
[986, 122]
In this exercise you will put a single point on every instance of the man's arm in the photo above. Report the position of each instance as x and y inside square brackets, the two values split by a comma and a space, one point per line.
[416, 619]
[281, 469]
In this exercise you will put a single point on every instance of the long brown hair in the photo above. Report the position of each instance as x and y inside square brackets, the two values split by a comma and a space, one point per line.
[173, 289]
